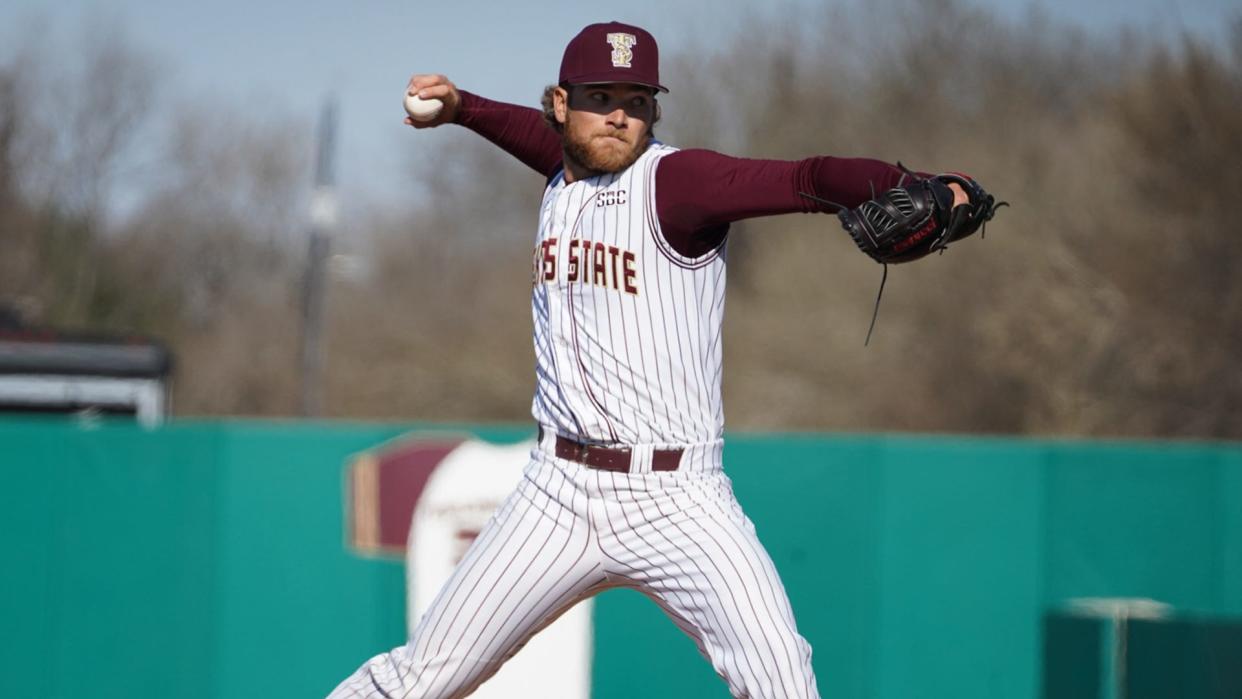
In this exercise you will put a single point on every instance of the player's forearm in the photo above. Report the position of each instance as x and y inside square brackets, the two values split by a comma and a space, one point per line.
[520, 131]
[704, 188]
[847, 181]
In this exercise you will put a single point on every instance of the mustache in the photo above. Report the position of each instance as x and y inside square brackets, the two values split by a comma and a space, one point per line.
[626, 141]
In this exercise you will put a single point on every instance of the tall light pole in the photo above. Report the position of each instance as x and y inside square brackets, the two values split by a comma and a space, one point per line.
[323, 221]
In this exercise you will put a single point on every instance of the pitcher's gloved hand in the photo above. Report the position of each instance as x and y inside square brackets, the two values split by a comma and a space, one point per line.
[918, 217]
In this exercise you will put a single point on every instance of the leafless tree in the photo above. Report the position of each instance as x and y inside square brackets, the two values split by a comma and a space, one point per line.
[1103, 302]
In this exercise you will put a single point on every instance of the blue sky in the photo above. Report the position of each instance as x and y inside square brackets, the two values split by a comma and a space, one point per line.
[281, 54]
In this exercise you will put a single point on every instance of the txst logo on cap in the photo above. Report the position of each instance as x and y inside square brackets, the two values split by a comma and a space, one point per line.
[605, 53]
[621, 44]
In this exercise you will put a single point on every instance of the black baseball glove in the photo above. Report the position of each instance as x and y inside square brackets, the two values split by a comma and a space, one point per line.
[917, 217]
[914, 219]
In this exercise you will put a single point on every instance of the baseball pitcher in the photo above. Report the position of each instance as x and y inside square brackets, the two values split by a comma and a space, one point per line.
[625, 486]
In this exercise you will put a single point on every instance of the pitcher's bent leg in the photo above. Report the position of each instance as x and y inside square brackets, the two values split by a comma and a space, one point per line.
[696, 553]
[532, 559]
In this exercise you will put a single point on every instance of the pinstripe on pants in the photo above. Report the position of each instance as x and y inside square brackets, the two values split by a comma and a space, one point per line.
[568, 532]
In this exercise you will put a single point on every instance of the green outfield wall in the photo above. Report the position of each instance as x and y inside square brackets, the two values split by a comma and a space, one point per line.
[207, 559]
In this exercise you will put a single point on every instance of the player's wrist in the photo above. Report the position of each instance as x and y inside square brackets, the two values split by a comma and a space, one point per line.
[959, 194]
[463, 106]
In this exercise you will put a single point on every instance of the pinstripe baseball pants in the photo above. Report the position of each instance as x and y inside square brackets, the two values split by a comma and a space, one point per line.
[568, 532]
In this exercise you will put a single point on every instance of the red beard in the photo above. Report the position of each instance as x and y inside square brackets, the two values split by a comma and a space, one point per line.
[598, 154]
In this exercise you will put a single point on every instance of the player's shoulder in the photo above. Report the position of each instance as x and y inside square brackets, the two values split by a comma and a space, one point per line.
[690, 162]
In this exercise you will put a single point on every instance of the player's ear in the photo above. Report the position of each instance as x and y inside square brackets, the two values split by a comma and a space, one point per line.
[560, 104]
[658, 112]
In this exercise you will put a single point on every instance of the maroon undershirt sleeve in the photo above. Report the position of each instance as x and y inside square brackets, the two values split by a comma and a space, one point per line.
[700, 192]
[520, 131]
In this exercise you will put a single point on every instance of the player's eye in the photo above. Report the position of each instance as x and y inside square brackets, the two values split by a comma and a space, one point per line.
[639, 102]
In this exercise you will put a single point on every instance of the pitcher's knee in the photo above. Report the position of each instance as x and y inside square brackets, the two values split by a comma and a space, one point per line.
[779, 686]
[776, 671]
[401, 673]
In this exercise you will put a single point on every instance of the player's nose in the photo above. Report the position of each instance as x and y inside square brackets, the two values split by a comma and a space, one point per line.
[618, 118]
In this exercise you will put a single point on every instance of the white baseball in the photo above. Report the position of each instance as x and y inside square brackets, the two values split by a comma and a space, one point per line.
[420, 109]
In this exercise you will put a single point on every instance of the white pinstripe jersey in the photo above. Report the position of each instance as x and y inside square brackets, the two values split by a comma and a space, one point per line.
[627, 331]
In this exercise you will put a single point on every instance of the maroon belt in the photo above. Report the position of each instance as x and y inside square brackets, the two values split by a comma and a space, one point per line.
[613, 458]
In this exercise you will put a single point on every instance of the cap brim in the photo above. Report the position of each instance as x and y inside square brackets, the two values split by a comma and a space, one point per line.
[610, 80]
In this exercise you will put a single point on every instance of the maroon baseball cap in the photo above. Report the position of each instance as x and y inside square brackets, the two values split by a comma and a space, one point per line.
[612, 53]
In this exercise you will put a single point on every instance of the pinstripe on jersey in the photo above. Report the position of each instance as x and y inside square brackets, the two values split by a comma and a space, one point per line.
[614, 365]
